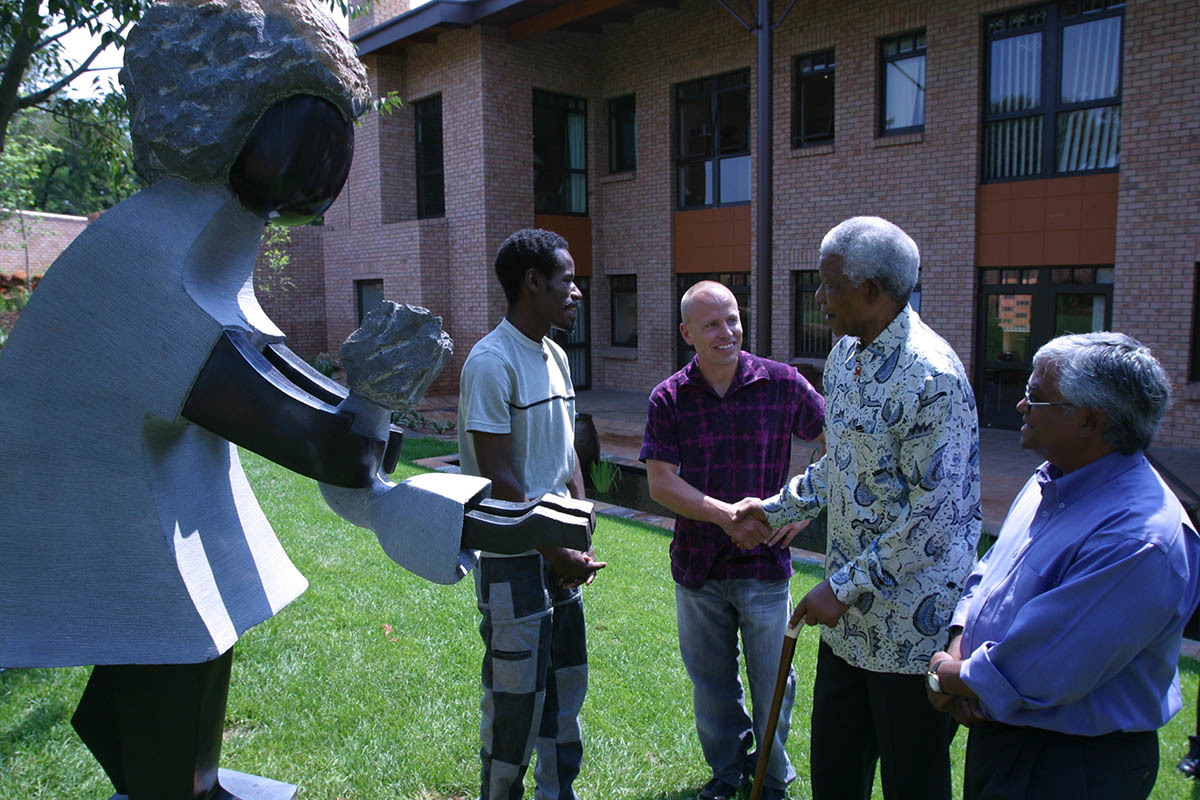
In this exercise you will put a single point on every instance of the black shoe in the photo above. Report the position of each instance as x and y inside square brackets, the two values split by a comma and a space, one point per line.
[717, 789]
[1189, 765]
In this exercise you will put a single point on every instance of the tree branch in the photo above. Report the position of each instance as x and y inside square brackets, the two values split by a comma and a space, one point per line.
[18, 62]
[70, 26]
[43, 94]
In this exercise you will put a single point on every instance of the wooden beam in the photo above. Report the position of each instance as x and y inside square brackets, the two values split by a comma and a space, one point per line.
[622, 16]
[572, 11]
[671, 4]
[584, 26]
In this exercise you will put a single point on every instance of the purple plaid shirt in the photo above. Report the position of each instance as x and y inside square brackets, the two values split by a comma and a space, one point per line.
[730, 447]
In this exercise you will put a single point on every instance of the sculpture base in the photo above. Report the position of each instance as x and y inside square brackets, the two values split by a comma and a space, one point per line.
[240, 786]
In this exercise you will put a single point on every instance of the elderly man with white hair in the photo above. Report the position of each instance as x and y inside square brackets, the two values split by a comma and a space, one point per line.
[900, 481]
[1064, 648]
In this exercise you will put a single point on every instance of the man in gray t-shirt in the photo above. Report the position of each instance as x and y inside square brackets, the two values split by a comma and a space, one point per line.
[516, 427]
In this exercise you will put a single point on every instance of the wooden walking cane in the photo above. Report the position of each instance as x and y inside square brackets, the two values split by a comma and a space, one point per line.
[785, 666]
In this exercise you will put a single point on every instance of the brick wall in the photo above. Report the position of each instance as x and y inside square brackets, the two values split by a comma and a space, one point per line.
[923, 182]
[1158, 206]
[297, 305]
[35, 239]
[928, 183]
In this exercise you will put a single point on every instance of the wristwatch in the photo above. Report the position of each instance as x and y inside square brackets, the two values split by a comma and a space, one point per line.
[931, 677]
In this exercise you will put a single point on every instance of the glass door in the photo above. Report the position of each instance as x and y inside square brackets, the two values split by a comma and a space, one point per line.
[1007, 302]
[1020, 310]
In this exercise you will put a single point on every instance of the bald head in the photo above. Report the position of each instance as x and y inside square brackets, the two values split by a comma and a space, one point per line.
[718, 292]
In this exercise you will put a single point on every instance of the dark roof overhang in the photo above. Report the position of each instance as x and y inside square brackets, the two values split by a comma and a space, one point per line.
[520, 18]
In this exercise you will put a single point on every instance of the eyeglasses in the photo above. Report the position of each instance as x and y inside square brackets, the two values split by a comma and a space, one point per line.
[1036, 403]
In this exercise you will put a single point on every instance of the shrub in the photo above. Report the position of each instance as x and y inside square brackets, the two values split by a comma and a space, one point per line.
[323, 363]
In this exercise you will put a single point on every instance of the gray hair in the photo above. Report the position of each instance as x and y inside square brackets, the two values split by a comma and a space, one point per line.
[199, 75]
[875, 249]
[1116, 374]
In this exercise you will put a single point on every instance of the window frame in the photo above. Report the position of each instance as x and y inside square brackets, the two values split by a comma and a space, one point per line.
[423, 109]
[800, 82]
[884, 61]
[713, 87]
[621, 285]
[618, 159]
[1050, 107]
[804, 287]
[361, 284]
[558, 102]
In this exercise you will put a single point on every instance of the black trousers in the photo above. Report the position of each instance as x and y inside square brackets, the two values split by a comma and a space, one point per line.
[861, 717]
[156, 729]
[1005, 762]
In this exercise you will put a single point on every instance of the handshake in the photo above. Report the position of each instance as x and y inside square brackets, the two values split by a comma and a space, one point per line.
[745, 523]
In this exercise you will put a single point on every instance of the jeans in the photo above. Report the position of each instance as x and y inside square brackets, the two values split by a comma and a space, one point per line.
[710, 619]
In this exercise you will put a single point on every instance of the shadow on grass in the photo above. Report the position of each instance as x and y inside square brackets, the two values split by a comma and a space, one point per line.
[36, 726]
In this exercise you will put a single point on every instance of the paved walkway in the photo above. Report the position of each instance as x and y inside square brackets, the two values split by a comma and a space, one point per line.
[620, 419]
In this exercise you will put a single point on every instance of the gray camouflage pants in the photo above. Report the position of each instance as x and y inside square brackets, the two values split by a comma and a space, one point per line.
[534, 678]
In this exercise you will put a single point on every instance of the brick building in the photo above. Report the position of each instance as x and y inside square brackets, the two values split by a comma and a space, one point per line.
[31, 240]
[1044, 157]
[29, 243]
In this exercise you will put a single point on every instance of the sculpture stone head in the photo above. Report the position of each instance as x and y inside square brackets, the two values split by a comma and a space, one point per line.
[205, 80]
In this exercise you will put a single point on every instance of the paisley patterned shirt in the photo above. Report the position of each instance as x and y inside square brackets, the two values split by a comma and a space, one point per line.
[901, 481]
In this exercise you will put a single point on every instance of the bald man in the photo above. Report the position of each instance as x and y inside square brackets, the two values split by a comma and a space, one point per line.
[719, 430]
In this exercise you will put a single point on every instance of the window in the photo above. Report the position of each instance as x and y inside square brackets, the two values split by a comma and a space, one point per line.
[812, 336]
[713, 123]
[369, 295]
[903, 61]
[1053, 87]
[559, 153]
[622, 134]
[624, 310]
[431, 194]
[812, 107]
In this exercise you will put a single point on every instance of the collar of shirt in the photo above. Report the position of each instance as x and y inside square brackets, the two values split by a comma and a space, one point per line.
[1062, 490]
[522, 340]
[887, 343]
[749, 370]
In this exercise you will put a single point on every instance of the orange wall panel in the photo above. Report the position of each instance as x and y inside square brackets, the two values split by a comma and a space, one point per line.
[712, 240]
[1059, 221]
[578, 233]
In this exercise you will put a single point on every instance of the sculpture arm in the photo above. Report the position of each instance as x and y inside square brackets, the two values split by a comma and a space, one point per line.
[299, 372]
[240, 396]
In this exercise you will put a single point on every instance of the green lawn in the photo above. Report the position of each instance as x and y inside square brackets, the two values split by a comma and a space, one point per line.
[368, 685]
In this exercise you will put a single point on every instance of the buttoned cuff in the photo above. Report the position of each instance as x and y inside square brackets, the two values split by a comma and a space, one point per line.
[843, 586]
[996, 695]
[786, 506]
[777, 515]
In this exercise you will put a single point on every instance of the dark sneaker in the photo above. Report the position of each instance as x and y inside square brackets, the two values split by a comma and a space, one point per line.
[1190, 764]
[773, 794]
[717, 789]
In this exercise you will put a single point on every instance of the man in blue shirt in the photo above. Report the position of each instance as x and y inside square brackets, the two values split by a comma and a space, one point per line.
[1063, 650]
